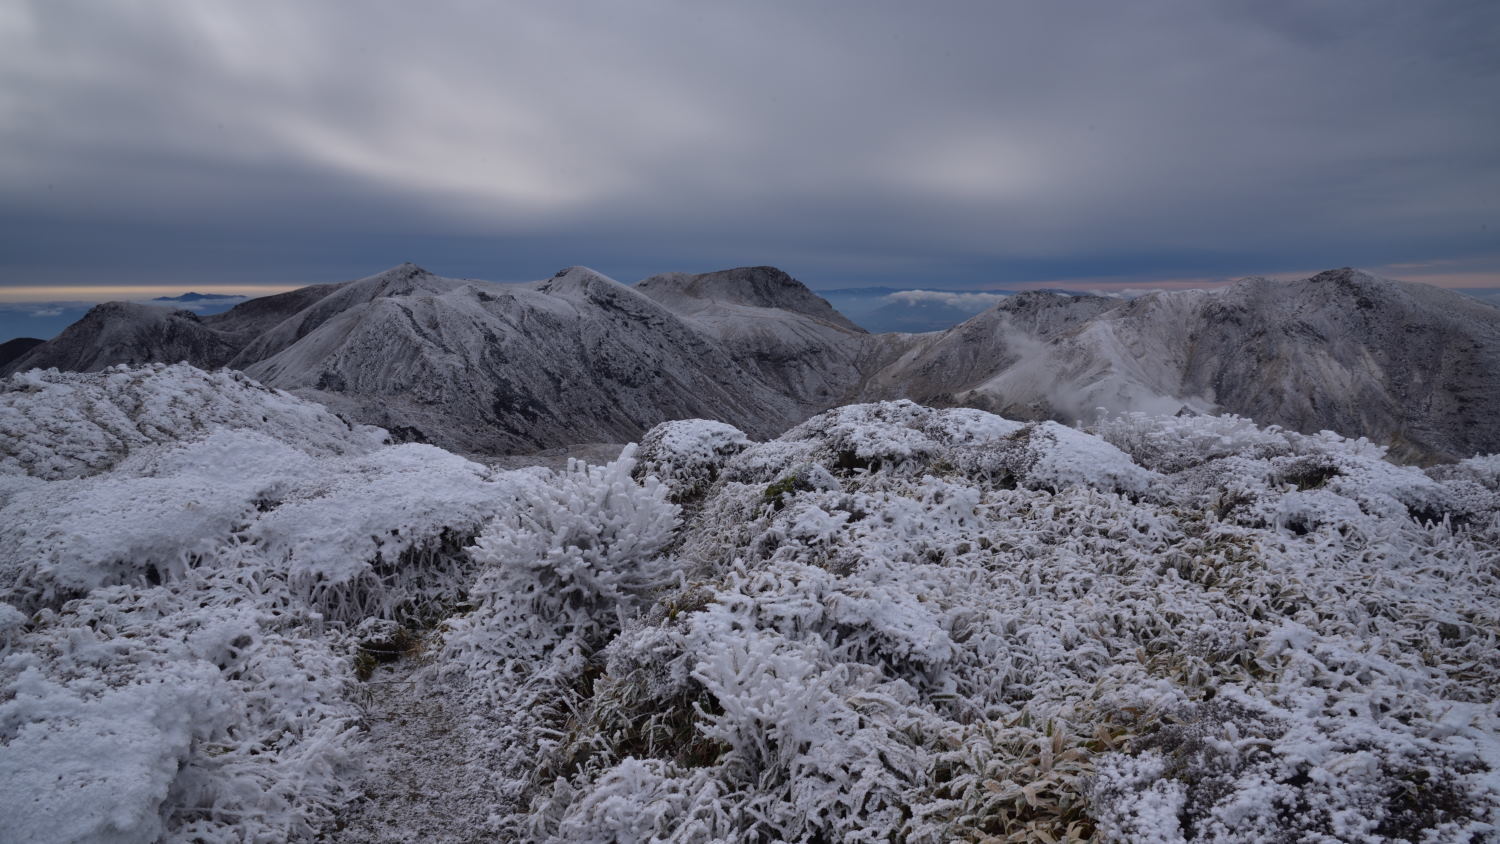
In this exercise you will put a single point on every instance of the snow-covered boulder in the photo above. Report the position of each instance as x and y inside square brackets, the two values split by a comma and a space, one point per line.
[687, 455]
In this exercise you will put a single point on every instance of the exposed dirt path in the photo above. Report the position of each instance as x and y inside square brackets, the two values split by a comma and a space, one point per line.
[425, 779]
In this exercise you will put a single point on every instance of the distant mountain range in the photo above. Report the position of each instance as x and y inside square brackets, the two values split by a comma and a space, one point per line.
[199, 297]
[487, 368]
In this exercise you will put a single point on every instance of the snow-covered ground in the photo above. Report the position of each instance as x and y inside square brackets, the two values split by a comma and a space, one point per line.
[231, 616]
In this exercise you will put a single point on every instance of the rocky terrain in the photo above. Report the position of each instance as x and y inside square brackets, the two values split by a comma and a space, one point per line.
[488, 368]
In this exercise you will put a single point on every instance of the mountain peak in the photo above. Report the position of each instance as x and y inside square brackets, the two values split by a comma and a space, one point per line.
[127, 332]
[579, 272]
[400, 280]
[402, 272]
[1345, 276]
[579, 280]
[756, 287]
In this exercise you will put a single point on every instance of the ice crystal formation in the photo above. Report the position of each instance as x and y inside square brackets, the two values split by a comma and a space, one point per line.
[229, 615]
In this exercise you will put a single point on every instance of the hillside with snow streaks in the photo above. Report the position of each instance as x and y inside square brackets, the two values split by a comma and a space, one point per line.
[227, 615]
[487, 369]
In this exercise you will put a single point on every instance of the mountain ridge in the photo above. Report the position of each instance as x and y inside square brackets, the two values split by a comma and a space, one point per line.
[579, 357]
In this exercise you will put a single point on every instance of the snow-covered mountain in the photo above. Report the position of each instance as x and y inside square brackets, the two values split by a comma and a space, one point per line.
[128, 332]
[773, 326]
[476, 366]
[576, 358]
[580, 358]
[936, 366]
[14, 348]
[1407, 365]
[228, 615]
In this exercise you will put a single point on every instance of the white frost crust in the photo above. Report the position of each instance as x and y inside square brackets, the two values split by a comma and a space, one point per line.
[174, 661]
[69, 424]
[687, 454]
[1243, 634]
[893, 623]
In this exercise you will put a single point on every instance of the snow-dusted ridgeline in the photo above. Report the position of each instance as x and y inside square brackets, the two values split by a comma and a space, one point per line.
[478, 367]
[493, 368]
[1410, 366]
[891, 622]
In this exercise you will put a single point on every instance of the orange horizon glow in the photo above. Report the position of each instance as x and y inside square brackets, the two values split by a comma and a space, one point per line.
[46, 293]
[1420, 273]
[1433, 273]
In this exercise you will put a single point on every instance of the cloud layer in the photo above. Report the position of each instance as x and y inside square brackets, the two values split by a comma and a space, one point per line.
[964, 142]
[975, 301]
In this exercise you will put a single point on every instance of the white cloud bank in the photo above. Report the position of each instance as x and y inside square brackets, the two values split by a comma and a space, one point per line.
[965, 301]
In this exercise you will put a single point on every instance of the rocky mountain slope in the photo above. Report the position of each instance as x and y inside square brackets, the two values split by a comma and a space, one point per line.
[14, 348]
[772, 325]
[935, 367]
[128, 332]
[581, 358]
[481, 367]
[1407, 365]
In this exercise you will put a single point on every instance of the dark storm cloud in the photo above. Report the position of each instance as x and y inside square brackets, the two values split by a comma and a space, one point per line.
[849, 142]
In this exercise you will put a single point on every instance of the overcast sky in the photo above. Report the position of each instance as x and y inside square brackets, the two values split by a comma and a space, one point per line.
[933, 144]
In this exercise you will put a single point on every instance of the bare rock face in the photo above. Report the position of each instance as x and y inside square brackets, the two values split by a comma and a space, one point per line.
[492, 368]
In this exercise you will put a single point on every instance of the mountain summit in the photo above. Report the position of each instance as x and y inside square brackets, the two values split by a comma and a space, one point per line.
[754, 287]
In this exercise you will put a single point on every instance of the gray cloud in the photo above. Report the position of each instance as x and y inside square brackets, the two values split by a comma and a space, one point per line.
[974, 142]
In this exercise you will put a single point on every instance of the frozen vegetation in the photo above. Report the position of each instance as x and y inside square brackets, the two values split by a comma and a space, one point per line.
[228, 615]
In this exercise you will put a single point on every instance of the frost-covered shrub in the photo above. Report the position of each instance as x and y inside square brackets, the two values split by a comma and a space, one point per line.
[174, 663]
[381, 534]
[568, 560]
[894, 623]
[158, 514]
[1055, 456]
[181, 713]
[902, 438]
[342, 528]
[1245, 768]
[571, 558]
[688, 454]
[12, 624]
[1173, 443]
[57, 425]
[866, 437]
[1015, 632]
[1482, 469]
